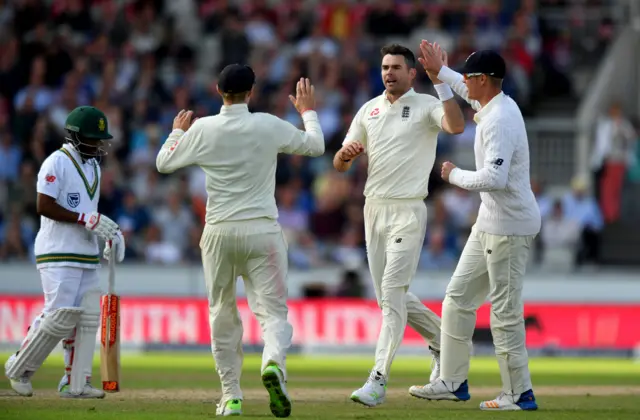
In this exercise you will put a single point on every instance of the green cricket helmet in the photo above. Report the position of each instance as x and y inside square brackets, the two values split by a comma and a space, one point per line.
[88, 129]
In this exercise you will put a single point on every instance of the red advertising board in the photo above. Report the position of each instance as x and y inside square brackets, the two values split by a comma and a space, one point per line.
[340, 322]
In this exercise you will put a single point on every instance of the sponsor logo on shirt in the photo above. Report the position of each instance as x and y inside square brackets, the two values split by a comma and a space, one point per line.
[73, 200]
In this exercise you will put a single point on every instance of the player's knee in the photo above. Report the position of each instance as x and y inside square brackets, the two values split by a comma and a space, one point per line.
[393, 301]
[62, 296]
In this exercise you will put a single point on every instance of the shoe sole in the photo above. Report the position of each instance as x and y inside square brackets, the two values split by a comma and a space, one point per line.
[30, 394]
[453, 398]
[22, 394]
[510, 408]
[357, 399]
[279, 403]
[82, 397]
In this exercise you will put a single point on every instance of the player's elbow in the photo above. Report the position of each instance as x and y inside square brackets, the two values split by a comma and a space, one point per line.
[499, 183]
[457, 129]
[318, 151]
[44, 205]
[162, 169]
[163, 166]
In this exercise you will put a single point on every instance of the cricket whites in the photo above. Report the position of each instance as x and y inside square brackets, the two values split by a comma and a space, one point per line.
[110, 335]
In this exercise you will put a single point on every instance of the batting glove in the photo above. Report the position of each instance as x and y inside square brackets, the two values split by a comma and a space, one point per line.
[118, 243]
[99, 224]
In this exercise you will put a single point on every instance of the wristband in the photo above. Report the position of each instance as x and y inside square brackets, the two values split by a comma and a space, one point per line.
[305, 110]
[81, 219]
[444, 91]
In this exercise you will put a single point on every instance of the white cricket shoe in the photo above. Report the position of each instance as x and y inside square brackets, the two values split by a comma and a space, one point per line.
[21, 385]
[372, 392]
[439, 390]
[88, 392]
[508, 402]
[229, 408]
[435, 364]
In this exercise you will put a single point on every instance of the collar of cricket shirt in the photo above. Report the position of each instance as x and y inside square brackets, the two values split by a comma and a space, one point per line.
[77, 161]
[407, 94]
[234, 109]
[488, 107]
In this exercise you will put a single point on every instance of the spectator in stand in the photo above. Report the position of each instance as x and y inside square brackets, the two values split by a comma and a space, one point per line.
[561, 237]
[583, 209]
[614, 152]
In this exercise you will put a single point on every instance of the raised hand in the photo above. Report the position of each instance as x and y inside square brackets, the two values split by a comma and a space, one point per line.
[182, 121]
[431, 59]
[305, 99]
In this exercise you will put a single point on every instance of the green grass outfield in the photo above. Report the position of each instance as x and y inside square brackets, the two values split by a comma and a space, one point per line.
[185, 386]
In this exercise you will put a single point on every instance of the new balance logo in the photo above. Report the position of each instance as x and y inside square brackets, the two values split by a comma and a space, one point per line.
[398, 240]
[489, 251]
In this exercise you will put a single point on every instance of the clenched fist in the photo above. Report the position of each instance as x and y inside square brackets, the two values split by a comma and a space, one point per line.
[447, 167]
[99, 224]
[116, 243]
[351, 150]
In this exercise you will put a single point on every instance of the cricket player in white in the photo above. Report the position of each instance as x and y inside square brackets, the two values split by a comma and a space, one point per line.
[398, 130]
[238, 152]
[494, 259]
[67, 258]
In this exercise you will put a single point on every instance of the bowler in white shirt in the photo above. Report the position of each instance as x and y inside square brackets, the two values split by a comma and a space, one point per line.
[398, 131]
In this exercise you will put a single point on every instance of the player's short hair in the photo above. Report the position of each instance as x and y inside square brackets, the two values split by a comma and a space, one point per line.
[495, 82]
[235, 97]
[397, 49]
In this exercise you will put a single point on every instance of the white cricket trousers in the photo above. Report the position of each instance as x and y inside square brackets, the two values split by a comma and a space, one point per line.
[65, 287]
[394, 234]
[495, 266]
[257, 251]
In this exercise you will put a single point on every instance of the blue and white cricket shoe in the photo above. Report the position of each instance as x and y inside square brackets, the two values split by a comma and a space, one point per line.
[506, 402]
[440, 390]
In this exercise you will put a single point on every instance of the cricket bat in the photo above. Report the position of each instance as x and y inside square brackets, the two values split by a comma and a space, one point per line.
[110, 334]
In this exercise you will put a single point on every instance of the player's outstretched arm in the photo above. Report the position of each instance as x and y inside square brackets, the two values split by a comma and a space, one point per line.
[448, 116]
[181, 147]
[309, 142]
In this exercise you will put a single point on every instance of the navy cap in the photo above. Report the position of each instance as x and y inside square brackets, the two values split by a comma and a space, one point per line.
[236, 78]
[486, 62]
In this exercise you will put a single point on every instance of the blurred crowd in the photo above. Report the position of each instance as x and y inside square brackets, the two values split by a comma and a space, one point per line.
[143, 61]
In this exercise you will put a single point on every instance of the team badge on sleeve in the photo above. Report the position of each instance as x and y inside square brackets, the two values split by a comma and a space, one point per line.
[73, 200]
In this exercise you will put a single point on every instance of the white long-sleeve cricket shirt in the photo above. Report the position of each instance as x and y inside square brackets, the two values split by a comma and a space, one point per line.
[502, 177]
[237, 150]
